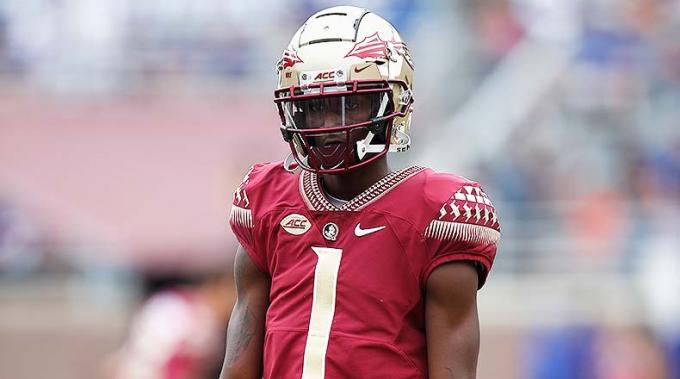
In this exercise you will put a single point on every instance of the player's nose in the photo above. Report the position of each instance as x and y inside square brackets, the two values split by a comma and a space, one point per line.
[332, 118]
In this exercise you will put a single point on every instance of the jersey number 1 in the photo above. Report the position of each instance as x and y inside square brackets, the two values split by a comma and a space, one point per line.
[323, 309]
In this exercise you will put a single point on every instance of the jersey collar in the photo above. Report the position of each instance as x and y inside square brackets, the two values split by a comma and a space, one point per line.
[316, 200]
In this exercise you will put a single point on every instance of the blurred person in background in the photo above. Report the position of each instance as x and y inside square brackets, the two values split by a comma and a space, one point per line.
[348, 268]
[178, 332]
[20, 248]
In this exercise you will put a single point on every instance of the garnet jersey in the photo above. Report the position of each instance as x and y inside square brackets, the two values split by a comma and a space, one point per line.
[347, 284]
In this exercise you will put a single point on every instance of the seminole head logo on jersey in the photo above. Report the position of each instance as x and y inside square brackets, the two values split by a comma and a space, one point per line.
[330, 231]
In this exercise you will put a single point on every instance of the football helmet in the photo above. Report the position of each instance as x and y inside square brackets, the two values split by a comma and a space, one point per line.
[344, 91]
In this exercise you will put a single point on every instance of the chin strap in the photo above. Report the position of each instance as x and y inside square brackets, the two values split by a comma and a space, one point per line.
[364, 146]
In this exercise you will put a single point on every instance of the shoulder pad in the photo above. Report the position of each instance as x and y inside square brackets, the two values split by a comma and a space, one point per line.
[252, 190]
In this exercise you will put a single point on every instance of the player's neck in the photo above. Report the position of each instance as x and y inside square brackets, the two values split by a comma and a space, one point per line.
[348, 186]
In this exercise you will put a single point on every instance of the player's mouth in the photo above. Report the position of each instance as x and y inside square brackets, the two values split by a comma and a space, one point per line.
[329, 154]
[333, 142]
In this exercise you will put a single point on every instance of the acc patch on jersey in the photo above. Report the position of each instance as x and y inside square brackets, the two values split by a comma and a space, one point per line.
[296, 224]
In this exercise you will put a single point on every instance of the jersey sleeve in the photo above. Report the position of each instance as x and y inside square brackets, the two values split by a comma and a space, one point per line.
[242, 218]
[465, 229]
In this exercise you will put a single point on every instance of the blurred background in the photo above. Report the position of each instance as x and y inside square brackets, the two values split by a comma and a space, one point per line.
[125, 126]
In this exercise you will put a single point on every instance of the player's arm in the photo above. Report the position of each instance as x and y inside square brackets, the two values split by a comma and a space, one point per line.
[245, 335]
[451, 321]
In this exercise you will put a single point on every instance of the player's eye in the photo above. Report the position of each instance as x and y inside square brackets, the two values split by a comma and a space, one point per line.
[317, 105]
[351, 103]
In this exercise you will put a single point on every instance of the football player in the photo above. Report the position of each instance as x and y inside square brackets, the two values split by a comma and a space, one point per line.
[346, 268]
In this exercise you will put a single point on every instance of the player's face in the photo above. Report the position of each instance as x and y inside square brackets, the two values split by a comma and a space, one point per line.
[337, 111]
[328, 112]
[331, 127]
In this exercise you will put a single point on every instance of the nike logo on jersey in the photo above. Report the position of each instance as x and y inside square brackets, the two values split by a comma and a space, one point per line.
[362, 232]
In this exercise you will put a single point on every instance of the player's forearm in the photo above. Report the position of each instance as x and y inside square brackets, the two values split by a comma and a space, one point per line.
[451, 322]
[245, 334]
[455, 357]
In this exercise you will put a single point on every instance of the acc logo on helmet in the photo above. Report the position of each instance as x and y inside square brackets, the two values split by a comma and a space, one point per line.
[336, 75]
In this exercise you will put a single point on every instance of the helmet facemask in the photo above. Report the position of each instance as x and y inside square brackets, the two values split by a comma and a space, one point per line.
[337, 127]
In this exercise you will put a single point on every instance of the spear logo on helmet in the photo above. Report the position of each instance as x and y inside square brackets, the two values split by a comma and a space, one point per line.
[289, 59]
[375, 47]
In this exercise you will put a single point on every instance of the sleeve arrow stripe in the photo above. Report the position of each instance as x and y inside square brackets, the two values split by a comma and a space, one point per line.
[457, 231]
[241, 216]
